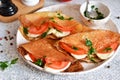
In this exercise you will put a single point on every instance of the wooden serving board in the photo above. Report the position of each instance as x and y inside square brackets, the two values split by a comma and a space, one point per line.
[22, 9]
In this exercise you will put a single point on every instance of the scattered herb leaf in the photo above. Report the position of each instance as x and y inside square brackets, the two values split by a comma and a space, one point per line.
[14, 61]
[5, 64]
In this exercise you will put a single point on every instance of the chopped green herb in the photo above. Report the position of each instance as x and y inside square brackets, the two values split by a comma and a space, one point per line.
[75, 48]
[107, 49]
[52, 19]
[91, 51]
[39, 62]
[86, 13]
[5, 64]
[61, 17]
[14, 61]
[25, 30]
[44, 35]
[70, 18]
[88, 43]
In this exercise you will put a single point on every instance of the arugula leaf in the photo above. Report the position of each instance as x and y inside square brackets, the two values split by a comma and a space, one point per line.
[25, 30]
[88, 43]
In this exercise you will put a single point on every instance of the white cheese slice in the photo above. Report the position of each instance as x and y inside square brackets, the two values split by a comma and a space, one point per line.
[33, 35]
[57, 33]
[79, 56]
[27, 57]
[105, 55]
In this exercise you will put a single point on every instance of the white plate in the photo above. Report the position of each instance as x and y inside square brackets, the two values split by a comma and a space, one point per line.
[73, 11]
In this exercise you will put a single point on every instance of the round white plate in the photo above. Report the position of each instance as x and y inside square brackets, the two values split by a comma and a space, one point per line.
[73, 11]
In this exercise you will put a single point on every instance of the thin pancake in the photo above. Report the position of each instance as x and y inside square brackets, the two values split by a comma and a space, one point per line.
[43, 47]
[100, 39]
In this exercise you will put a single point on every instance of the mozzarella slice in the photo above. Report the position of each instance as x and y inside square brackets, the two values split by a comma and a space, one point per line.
[27, 57]
[79, 56]
[57, 33]
[33, 35]
[105, 55]
[49, 69]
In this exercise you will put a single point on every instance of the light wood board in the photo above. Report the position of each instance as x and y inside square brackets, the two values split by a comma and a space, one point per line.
[22, 9]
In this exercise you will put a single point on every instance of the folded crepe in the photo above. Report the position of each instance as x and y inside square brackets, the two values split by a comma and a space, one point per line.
[35, 25]
[100, 41]
[43, 48]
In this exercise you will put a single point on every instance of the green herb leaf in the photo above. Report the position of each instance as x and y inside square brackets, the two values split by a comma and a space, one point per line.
[75, 48]
[44, 35]
[3, 65]
[14, 61]
[25, 30]
[107, 49]
[61, 17]
[93, 6]
[39, 62]
[70, 18]
[88, 43]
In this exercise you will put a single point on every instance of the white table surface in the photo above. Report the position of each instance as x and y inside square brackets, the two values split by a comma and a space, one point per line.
[23, 71]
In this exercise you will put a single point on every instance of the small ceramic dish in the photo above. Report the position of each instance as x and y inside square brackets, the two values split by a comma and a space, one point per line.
[97, 13]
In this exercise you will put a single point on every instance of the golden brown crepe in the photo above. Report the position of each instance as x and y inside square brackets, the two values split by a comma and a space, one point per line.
[44, 47]
[99, 38]
[37, 19]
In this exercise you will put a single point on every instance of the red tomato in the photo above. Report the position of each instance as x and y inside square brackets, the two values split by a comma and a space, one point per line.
[61, 28]
[114, 46]
[38, 30]
[32, 57]
[57, 64]
[69, 49]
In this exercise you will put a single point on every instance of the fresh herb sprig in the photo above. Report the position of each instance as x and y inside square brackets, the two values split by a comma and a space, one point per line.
[5, 64]
[62, 17]
[91, 50]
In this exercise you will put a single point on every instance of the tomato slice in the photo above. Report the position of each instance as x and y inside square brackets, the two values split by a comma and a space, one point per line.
[38, 30]
[32, 57]
[114, 46]
[69, 49]
[61, 28]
